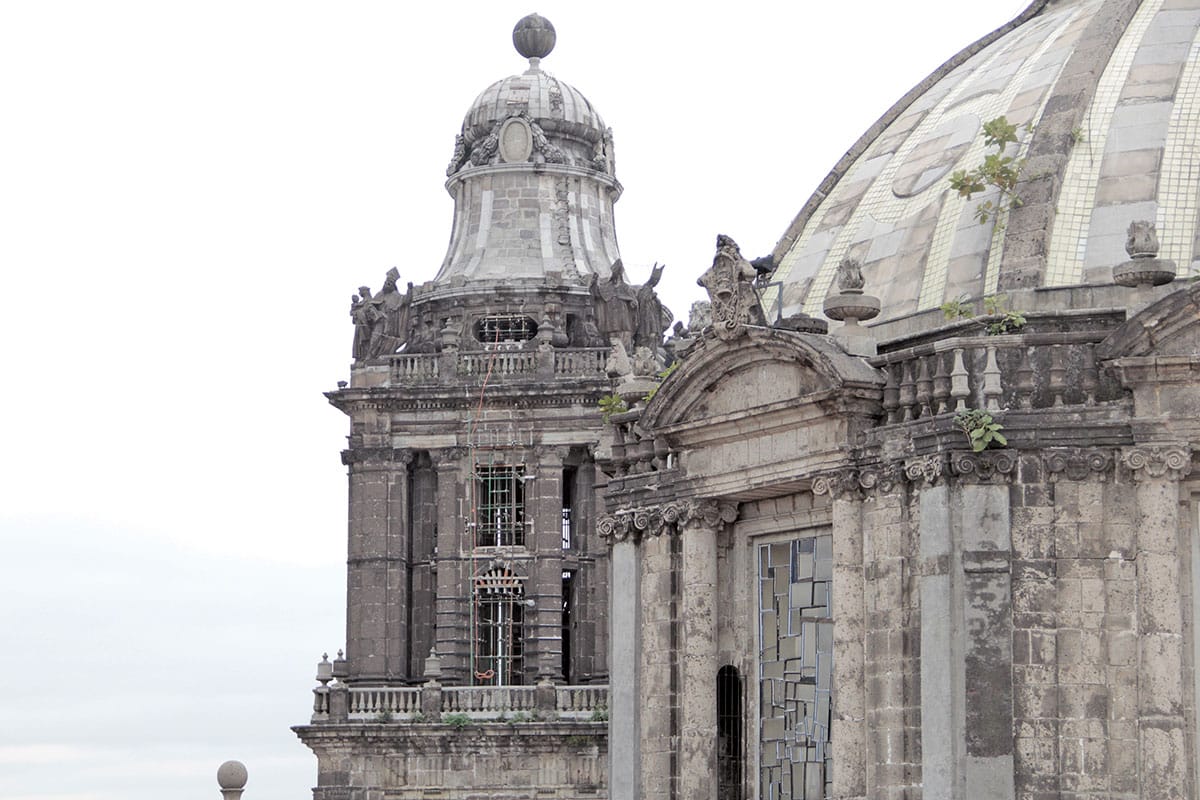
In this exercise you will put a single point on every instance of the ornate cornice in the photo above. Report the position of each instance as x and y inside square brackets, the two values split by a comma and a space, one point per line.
[1172, 462]
[1077, 463]
[668, 518]
[376, 455]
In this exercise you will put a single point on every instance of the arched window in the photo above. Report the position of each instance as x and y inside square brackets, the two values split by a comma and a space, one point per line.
[730, 754]
[499, 628]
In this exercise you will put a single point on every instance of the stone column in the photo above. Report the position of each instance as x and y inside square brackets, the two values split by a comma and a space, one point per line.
[624, 702]
[1162, 735]
[543, 628]
[848, 736]
[452, 621]
[698, 704]
[377, 564]
[985, 530]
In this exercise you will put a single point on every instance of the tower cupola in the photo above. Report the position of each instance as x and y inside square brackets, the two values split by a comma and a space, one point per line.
[532, 180]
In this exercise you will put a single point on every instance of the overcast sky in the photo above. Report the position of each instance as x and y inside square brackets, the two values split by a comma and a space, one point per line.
[189, 194]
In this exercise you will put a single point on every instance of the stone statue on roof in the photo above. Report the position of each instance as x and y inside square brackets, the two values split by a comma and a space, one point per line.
[731, 291]
[616, 306]
[653, 317]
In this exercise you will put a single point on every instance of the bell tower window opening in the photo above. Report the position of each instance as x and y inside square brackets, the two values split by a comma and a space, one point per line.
[568, 503]
[499, 629]
[500, 505]
[501, 329]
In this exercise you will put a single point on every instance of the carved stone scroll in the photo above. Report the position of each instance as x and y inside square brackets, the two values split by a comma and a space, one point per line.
[1170, 461]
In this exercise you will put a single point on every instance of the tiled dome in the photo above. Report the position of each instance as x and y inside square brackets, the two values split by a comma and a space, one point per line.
[1105, 95]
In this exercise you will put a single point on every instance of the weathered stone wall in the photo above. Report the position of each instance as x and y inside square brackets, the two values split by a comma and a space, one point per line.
[558, 760]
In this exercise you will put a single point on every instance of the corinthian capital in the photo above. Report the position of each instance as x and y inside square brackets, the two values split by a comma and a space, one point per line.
[1172, 462]
[707, 513]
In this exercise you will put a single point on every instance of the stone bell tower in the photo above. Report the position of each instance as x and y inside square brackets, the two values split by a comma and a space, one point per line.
[473, 408]
[477, 586]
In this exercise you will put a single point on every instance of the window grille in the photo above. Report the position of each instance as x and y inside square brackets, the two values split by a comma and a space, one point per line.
[500, 505]
[730, 755]
[505, 329]
[499, 628]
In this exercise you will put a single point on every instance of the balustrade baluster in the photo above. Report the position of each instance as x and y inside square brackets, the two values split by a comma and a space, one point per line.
[941, 384]
[991, 381]
[960, 386]
[924, 388]
[1058, 374]
[891, 393]
[1024, 379]
[908, 391]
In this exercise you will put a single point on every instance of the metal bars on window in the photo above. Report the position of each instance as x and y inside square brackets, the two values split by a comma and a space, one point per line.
[500, 505]
[499, 628]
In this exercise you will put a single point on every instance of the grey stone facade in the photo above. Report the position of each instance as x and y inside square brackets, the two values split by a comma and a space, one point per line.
[934, 555]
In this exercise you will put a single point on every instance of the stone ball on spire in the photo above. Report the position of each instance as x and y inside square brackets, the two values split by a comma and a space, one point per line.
[232, 775]
[534, 36]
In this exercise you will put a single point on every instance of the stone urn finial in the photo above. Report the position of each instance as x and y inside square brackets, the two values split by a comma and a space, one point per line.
[1144, 267]
[850, 305]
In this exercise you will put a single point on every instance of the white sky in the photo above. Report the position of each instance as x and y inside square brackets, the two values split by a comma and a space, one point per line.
[189, 194]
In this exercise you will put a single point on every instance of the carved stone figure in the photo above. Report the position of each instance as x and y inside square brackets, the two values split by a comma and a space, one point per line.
[616, 306]
[486, 147]
[618, 364]
[360, 306]
[551, 153]
[459, 157]
[728, 282]
[388, 315]
[645, 362]
[849, 275]
[1142, 241]
[699, 317]
[653, 317]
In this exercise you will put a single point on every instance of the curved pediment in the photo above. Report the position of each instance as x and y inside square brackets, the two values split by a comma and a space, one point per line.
[763, 370]
[1169, 327]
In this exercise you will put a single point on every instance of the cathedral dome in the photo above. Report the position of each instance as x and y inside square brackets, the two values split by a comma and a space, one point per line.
[1104, 100]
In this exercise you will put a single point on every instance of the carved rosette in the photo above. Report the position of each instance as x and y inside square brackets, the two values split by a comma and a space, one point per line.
[989, 466]
[1077, 464]
[1172, 462]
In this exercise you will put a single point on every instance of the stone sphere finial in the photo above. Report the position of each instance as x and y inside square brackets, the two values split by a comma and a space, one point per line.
[534, 38]
[232, 775]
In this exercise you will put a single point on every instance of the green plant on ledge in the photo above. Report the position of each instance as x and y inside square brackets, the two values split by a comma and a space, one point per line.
[993, 305]
[997, 170]
[1009, 321]
[458, 720]
[981, 430]
[600, 714]
[662, 376]
[612, 404]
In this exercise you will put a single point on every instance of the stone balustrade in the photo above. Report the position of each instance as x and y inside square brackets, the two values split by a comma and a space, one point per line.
[342, 703]
[1010, 371]
[452, 366]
